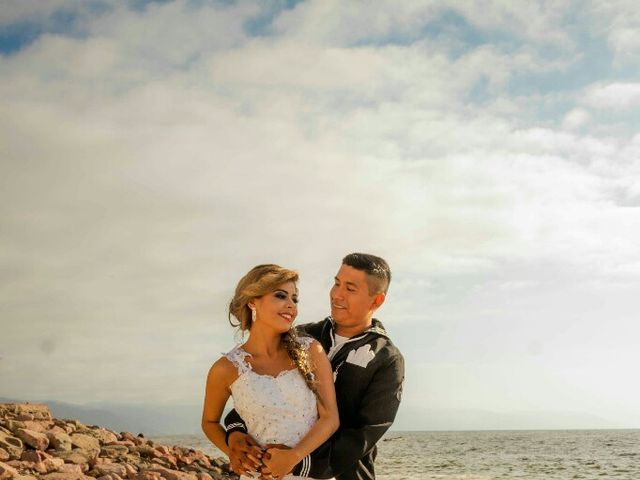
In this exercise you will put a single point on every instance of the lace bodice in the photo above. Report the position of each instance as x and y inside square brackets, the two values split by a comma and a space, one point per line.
[278, 409]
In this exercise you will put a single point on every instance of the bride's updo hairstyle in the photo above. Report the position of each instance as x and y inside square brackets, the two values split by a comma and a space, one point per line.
[261, 280]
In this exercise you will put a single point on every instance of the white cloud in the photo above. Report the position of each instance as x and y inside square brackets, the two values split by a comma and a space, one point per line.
[618, 21]
[616, 96]
[575, 119]
[153, 162]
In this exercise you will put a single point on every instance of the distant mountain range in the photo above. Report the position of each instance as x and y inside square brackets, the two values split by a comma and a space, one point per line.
[185, 419]
[150, 420]
[419, 418]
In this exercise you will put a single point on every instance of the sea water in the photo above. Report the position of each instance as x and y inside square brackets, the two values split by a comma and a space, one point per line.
[488, 455]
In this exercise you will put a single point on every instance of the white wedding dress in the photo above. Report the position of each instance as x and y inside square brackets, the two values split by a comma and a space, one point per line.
[280, 409]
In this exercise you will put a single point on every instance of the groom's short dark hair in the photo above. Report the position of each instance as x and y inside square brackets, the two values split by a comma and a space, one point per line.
[376, 268]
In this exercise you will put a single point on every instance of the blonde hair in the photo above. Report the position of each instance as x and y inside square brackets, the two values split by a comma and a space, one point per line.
[259, 281]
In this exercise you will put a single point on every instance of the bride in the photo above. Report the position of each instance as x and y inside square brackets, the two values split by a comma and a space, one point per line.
[281, 383]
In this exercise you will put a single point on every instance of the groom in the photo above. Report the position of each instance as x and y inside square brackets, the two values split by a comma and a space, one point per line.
[368, 370]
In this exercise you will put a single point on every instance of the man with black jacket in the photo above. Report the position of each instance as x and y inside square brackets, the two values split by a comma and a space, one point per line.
[368, 371]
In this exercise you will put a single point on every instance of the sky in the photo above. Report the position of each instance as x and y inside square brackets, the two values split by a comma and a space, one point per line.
[152, 152]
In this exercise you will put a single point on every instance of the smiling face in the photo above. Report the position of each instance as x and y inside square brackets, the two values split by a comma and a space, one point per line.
[277, 309]
[352, 305]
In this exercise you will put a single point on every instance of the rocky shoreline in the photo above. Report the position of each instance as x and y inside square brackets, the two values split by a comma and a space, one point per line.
[36, 446]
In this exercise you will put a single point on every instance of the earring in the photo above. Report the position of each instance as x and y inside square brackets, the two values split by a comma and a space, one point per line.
[254, 316]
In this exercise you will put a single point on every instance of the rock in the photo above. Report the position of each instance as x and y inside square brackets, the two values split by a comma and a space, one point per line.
[34, 456]
[128, 436]
[130, 470]
[14, 425]
[132, 459]
[66, 427]
[169, 474]
[66, 476]
[41, 426]
[146, 475]
[4, 455]
[165, 454]
[108, 468]
[85, 442]
[103, 435]
[110, 476]
[11, 444]
[54, 464]
[59, 440]
[76, 456]
[114, 451]
[127, 443]
[69, 468]
[46, 466]
[38, 461]
[25, 466]
[56, 429]
[220, 462]
[204, 476]
[25, 416]
[163, 462]
[37, 440]
[7, 471]
[146, 451]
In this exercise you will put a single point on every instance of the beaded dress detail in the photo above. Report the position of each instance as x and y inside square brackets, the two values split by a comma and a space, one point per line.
[280, 409]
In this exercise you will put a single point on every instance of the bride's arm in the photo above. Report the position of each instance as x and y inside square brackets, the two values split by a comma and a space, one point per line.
[220, 377]
[282, 461]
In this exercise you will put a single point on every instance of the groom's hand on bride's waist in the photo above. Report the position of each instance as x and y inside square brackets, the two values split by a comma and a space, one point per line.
[245, 454]
[270, 463]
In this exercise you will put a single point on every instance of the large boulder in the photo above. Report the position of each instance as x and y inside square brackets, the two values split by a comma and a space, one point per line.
[13, 425]
[102, 435]
[59, 440]
[37, 440]
[85, 442]
[7, 471]
[41, 426]
[13, 445]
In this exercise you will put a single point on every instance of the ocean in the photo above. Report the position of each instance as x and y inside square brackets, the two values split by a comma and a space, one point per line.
[488, 455]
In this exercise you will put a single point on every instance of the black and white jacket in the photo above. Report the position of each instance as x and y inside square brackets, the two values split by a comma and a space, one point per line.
[368, 371]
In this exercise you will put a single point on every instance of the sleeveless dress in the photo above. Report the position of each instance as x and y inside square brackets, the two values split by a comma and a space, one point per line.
[280, 409]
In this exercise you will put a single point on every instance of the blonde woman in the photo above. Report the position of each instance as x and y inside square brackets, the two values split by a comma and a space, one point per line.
[281, 383]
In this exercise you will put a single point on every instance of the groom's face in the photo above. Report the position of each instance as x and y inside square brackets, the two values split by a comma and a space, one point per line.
[351, 302]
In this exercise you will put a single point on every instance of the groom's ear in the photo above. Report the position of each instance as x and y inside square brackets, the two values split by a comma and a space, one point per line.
[378, 300]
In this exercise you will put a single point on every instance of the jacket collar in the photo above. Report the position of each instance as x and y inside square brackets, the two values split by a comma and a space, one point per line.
[376, 328]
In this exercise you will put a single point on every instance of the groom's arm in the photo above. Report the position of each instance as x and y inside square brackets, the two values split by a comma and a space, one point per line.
[245, 454]
[348, 445]
[233, 422]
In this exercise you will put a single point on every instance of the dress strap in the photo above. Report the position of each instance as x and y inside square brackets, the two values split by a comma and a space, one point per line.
[237, 357]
